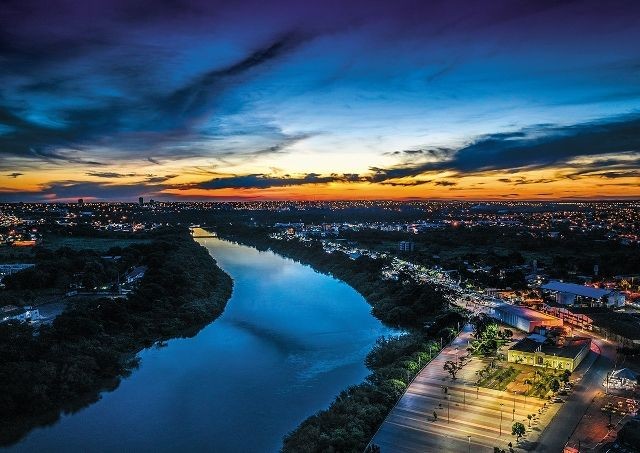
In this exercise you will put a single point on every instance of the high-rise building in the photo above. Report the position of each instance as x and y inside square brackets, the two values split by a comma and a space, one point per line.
[80, 201]
[140, 201]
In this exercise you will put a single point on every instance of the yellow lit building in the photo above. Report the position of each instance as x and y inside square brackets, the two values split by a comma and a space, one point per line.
[565, 357]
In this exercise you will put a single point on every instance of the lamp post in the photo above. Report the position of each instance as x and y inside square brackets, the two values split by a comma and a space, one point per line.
[501, 404]
[448, 405]
[477, 391]
[464, 394]
[514, 406]
[469, 439]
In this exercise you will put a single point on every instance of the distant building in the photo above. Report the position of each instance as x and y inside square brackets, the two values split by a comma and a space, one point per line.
[406, 246]
[80, 201]
[570, 294]
[140, 201]
[530, 351]
[523, 318]
[22, 314]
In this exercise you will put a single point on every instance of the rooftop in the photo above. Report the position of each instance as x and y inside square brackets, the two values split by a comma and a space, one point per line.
[579, 290]
[523, 312]
[570, 349]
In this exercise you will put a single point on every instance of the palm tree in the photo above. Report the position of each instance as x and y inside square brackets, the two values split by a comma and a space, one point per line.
[529, 416]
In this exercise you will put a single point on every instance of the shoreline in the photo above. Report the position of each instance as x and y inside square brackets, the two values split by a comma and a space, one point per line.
[388, 380]
[144, 324]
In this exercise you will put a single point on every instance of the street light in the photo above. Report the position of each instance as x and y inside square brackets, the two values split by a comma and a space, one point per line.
[464, 394]
[469, 439]
[501, 404]
[448, 405]
[514, 406]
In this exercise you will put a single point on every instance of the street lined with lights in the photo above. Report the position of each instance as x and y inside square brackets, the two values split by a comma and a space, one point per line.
[438, 413]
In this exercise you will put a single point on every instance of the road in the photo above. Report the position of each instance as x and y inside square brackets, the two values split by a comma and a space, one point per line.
[594, 370]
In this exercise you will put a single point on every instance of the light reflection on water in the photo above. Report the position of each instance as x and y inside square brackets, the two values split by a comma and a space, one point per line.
[288, 342]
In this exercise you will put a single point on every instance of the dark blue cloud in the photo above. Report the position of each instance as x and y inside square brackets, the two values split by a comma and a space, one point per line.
[534, 148]
[262, 181]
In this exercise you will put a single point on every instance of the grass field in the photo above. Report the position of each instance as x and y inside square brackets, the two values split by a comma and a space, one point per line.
[499, 378]
[98, 244]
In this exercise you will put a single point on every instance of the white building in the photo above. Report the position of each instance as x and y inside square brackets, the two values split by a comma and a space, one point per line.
[570, 294]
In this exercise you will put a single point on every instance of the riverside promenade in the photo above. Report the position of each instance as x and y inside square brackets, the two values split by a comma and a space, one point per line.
[467, 418]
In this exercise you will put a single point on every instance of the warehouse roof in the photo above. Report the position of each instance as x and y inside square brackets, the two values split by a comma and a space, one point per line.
[578, 290]
[523, 312]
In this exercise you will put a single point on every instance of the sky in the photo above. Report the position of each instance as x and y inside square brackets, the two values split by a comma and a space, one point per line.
[246, 100]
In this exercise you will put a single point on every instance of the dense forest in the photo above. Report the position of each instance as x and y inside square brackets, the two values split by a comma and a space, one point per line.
[92, 344]
[421, 310]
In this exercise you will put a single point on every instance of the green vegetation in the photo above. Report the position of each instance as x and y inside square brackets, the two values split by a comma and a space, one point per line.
[497, 378]
[518, 430]
[58, 270]
[100, 244]
[93, 343]
[9, 254]
[452, 367]
[487, 336]
[546, 380]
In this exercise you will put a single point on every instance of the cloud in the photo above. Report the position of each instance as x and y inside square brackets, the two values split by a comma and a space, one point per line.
[129, 127]
[110, 174]
[535, 147]
[263, 181]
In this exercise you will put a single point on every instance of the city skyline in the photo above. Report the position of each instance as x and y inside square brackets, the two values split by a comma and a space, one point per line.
[362, 100]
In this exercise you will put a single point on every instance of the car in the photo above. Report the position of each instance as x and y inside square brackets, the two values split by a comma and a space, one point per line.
[562, 393]
[558, 400]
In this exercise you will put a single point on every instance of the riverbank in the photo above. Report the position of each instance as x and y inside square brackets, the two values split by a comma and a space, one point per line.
[355, 415]
[93, 344]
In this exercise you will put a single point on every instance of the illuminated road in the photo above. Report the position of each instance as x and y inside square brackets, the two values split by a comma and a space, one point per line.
[471, 420]
[595, 368]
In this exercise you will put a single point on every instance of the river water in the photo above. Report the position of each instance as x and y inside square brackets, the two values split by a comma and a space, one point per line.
[289, 340]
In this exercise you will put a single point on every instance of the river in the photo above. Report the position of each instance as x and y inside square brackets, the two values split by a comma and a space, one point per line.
[289, 340]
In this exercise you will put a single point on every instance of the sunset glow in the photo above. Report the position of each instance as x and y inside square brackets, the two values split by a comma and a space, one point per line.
[111, 100]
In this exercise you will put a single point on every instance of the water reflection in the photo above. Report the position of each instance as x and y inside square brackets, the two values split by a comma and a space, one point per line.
[289, 340]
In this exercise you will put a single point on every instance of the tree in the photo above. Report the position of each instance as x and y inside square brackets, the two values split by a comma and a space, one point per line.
[555, 385]
[452, 368]
[518, 430]
[565, 376]
[530, 416]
